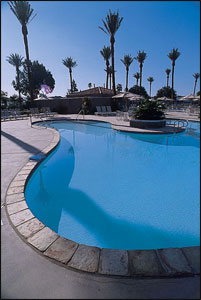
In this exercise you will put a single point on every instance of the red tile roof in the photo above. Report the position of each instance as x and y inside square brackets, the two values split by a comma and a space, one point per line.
[97, 91]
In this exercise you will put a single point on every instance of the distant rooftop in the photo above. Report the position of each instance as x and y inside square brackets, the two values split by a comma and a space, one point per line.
[96, 91]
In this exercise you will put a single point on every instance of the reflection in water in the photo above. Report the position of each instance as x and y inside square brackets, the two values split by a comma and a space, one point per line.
[58, 205]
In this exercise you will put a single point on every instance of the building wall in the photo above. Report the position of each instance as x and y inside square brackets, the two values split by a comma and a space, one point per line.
[72, 105]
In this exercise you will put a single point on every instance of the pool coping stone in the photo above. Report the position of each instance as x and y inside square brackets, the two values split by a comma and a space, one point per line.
[167, 262]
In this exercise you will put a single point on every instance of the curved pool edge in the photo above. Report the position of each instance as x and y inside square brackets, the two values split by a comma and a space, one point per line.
[167, 262]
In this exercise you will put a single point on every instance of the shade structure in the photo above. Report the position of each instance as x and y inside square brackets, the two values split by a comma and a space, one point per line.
[164, 99]
[188, 97]
[124, 95]
[136, 97]
[40, 98]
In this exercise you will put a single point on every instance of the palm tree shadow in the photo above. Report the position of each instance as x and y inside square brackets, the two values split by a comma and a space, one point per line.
[53, 198]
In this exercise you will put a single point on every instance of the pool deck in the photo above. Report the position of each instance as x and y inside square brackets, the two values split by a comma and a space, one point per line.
[78, 271]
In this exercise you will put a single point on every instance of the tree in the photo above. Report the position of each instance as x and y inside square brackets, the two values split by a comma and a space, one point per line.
[139, 90]
[119, 87]
[23, 11]
[173, 55]
[196, 76]
[106, 53]
[150, 79]
[127, 61]
[165, 92]
[111, 25]
[39, 76]
[137, 77]
[4, 99]
[198, 93]
[13, 101]
[167, 71]
[69, 63]
[74, 86]
[89, 85]
[109, 70]
[141, 56]
[16, 60]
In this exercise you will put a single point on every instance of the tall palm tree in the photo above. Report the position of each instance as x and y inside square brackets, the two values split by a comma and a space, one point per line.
[111, 25]
[173, 55]
[69, 63]
[109, 70]
[16, 60]
[167, 71]
[150, 79]
[141, 56]
[127, 61]
[106, 53]
[23, 11]
[137, 77]
[196, 76]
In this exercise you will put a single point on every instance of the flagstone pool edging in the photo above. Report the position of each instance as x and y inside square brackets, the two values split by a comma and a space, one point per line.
[169, 262]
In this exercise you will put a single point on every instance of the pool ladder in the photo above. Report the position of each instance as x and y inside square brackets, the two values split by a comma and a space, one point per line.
[178, 123]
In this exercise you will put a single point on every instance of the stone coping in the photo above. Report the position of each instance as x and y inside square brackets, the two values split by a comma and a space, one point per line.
[159, 263]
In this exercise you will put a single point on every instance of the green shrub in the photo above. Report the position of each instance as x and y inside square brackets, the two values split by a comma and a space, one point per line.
[86, 105]
[149, 110]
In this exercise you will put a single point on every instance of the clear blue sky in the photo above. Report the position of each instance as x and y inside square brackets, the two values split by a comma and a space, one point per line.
[70, 28]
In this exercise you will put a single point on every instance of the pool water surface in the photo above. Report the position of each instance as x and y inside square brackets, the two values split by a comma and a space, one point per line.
[111, 189]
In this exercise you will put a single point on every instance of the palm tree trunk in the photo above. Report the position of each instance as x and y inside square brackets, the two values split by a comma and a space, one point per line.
[172, 96]
[127, 79]
[107, 74]
[140, 75]
[112, 40]
[25, 32]
[18, 84]
[71, 80]
[110, 80]
[167, 80]
[137, 81]
[195, 86]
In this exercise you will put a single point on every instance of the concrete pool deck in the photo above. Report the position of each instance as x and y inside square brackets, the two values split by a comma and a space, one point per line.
[39, 277]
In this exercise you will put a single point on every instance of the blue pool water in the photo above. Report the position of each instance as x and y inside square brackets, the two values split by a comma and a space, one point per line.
[111, 189]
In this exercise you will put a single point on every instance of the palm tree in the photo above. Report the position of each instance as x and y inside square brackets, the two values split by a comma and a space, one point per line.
[106, 53]
[173, 55]
[196, 76]
[137, 77]
[109, 70]
[111, 25]
[89, 85]
[150, 79]
[23, 11]
[167, 71]
[127, 61]
[141, 55]
[16, 60]
[69, 63]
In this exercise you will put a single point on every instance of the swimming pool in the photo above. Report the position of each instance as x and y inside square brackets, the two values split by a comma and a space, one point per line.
[111, 189]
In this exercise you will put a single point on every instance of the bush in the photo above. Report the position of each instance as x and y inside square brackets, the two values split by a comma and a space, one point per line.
[166, 92]
[86, 105]
[149, 110]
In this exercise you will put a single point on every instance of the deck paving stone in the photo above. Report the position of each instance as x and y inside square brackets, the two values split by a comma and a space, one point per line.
[193, 256]
[21, 217]
[62, 250]
[24, 172]
[174, 261]
[144, 263]
[21, 177]
[14, 198]
[113, 262]
[17, 183]
[30, 227]
[43, 238]
[15, 207]
[15, 190]
[85, 258]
